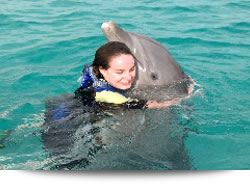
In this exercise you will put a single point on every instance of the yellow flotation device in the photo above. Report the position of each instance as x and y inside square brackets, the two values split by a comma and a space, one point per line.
[111, 97]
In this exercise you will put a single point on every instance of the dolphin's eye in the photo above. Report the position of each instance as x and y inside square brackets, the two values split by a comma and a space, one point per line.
[154, 76]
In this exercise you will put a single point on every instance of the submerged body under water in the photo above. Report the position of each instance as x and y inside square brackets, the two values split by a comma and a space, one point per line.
[103, 137]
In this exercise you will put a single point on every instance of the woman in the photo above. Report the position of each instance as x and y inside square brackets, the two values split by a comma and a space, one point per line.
[111, 74]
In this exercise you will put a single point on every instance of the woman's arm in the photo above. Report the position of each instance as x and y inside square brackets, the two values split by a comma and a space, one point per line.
[143, 104]
[166, 104]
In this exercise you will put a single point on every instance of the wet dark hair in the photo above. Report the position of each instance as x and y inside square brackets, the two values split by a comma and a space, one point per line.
[105, 53]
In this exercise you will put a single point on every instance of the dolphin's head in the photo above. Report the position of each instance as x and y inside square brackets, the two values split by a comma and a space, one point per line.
[155, 66]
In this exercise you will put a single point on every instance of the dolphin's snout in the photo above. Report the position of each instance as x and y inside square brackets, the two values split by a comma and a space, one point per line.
[105, 25]
[108, 25]
[112, 31]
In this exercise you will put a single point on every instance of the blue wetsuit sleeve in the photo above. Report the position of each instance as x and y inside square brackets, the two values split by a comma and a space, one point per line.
[86, 92]
[86, 79]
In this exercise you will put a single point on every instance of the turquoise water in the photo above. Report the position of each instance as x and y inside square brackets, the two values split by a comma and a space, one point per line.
[44, 45]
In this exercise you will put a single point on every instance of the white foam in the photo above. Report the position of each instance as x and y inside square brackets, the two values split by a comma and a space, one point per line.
[35, 121]
[5, 113]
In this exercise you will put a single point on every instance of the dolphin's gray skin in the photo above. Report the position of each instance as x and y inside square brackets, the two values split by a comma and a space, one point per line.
[155, 66]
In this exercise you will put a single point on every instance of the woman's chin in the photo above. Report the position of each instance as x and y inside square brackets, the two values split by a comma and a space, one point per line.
[125, 87]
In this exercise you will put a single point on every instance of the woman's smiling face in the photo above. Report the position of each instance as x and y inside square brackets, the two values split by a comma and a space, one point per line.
[121, 71]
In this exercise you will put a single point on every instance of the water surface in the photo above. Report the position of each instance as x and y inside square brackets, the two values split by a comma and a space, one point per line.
[45, 44]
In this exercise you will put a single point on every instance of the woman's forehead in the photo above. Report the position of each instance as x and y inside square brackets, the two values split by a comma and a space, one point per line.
[122, 61]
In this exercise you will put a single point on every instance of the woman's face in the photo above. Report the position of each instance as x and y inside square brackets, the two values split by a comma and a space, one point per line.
[121, 71]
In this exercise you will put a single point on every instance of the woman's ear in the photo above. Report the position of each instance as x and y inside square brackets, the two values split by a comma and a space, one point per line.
[102, 71]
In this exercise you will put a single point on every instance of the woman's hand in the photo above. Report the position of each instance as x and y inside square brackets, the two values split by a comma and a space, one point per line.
[158, 105]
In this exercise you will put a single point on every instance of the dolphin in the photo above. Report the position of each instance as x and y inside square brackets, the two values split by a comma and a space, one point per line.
[155, 66]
